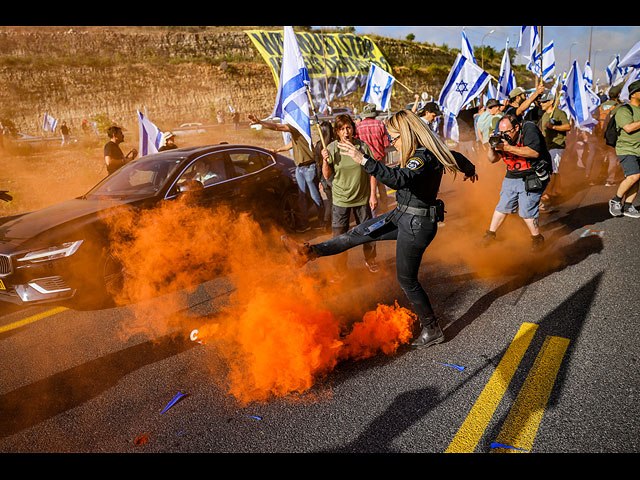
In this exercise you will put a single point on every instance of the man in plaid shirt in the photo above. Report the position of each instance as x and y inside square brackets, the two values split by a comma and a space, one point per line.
[373, 132]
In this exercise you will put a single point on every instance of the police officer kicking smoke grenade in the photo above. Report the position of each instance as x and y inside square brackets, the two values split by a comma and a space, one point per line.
[414, 221]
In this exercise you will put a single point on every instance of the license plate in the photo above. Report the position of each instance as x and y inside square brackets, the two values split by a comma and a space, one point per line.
[2, 285]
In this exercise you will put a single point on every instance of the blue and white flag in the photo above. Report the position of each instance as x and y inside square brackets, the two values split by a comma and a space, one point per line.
[465, 82]
[506, 79]
[49, 123]
[528, 42]
[581, 101]
[492, 91]
[292, 101]
[378, 88]
[466, 50]
[612, 70]
[450, 126]
[632, 58]
[150, 136]
[588, 74]
[548, 63]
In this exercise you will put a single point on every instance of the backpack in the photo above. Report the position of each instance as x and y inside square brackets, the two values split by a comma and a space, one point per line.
[612, 131]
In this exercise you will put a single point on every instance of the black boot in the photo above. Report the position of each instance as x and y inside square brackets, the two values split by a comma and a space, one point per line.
[431, 333]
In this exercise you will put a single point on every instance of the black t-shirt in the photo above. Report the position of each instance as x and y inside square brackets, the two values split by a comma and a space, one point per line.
[112, 150]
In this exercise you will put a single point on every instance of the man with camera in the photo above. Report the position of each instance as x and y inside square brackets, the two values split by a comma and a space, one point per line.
[523, 149]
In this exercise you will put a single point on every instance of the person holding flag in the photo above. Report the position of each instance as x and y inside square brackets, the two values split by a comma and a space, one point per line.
[113, 156]
[292, 107]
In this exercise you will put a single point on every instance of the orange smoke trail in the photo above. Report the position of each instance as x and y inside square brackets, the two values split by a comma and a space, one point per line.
[276, 336]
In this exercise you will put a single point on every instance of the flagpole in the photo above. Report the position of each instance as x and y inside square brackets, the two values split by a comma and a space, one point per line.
[541, 55]
[315, 115]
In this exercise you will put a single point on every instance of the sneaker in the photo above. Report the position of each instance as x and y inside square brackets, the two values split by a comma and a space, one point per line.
[537, 243]
[488, 238]
[372, 266]
[615, 208]
[301, 254]
[631, 212]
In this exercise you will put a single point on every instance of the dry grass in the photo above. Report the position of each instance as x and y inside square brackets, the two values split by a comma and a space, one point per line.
[44, 175]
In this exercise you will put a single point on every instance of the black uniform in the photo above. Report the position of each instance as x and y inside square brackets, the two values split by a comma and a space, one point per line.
[413, 223]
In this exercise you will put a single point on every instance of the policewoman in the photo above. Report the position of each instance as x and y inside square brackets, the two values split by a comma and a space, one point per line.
[414, 222]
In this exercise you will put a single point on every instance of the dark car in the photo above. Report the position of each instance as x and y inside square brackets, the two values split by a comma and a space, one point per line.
[62, 251]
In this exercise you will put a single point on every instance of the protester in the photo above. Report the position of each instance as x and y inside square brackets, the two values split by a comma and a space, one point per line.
[627, 118]
[555, 125]
[113, 156]
[414, 221]
[305, 169]
[522, 147]
[167, 142]
[518, 102]
[488, 120]
[602, 152]
[374, 133]
[353, 190]
[64, 130]
[430, 113]
[325, 183]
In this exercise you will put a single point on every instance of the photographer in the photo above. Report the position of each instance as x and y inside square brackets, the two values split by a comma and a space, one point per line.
[523, 149]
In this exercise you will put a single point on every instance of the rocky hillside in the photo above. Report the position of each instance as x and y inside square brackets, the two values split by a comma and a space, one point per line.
[178, 74]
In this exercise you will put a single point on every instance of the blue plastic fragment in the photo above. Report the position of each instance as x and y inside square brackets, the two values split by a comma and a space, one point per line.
[498, 445]
[255, 416]
[173, 402]
[454, 366]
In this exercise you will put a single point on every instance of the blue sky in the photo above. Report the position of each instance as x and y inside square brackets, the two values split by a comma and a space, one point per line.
[606, 41]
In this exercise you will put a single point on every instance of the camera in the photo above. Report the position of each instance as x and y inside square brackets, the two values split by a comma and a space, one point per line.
[496, 139]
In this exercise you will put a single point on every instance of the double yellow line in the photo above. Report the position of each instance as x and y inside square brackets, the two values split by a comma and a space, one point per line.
[521, 425]
[31, 319]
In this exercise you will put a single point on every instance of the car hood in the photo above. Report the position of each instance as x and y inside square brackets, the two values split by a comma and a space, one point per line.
[31, 225]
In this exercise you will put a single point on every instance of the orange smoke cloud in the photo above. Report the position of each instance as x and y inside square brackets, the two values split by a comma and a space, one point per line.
[276, 335]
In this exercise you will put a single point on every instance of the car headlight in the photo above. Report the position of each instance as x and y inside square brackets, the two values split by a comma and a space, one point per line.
[51, 253]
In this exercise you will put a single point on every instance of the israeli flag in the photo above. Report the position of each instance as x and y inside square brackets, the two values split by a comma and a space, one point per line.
[492, 91]
[581, 101]
[150, 136]
[632, 58]
[547, 64]
[588, 74]
[465, 82]
[466, 50]
[292, 101]
[506, 79]
[378, 87]
[612, 69]
[450, 126]
[528, 42]
[49, 123]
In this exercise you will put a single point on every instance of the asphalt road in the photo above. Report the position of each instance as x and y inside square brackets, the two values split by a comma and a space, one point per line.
[539, 357]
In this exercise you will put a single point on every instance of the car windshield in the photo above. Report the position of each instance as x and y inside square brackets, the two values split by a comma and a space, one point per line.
[142, 177]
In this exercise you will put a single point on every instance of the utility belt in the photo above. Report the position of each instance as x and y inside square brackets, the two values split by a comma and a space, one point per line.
[434, 212]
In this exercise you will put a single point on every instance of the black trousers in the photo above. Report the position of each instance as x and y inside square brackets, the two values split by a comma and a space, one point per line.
[413, 234]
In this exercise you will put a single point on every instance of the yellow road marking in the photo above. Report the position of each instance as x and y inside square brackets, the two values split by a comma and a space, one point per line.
[520, 427]
[476, 422]
[33, 318]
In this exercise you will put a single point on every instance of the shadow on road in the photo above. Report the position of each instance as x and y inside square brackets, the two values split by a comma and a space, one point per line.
[35, 403]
